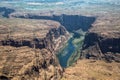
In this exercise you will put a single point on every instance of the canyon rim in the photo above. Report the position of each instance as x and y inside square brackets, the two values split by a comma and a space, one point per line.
[59, 40]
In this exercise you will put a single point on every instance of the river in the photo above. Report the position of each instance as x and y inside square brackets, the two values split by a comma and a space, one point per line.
[71, 50]
[65, 53]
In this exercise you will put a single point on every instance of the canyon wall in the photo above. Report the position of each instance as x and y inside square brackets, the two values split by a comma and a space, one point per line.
[54, 39]
[27, 49]
[102, 41]
[70, 22]
[99, 48]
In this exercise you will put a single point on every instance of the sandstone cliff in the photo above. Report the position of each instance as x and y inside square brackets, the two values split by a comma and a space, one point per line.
[103, 40]
[27, 49]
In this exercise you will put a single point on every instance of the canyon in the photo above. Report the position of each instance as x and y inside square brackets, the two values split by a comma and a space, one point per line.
[29, 45]
[38, 46]
[105, 42]
[101, 38]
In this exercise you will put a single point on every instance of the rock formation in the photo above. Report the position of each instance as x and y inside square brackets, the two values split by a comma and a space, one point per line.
[103, 40]
[92, 70]
[42, 38]
[27, 49]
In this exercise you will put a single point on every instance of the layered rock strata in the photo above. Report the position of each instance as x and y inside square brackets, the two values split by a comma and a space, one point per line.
[27, 49]
[103, 40]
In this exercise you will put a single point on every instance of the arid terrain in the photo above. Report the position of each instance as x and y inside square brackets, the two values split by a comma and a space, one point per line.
[92, 70]
[27, 49]
[86, 34]
[100, 55]
[102, 41]
[25, 63]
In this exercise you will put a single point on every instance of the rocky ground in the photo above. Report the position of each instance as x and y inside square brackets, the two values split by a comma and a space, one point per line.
[92, 70]
[100, 56]
[24, 63]
[27, 49]
[102, 41]
[29, 28]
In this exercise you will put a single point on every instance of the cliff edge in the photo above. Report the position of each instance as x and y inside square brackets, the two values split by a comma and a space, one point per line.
[27, 49]
[102, 41]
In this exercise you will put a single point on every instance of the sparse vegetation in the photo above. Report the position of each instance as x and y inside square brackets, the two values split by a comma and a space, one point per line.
[92, 70]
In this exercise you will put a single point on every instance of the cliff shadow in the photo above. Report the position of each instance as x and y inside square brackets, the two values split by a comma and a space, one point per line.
[110, 45]
[70, 22]
[76, 22]
[5, 12]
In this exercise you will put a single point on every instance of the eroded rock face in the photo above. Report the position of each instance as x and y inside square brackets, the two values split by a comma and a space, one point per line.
[53, 37]
[46, 34]
[27, 49]
[70, 22]
[103, 40]
[24, 63]
[56, 38]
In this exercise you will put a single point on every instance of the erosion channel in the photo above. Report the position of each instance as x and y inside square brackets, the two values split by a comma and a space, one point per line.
[76, 25]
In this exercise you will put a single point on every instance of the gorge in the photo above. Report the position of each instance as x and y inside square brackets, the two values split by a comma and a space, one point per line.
[59, 40]
[76, 25]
